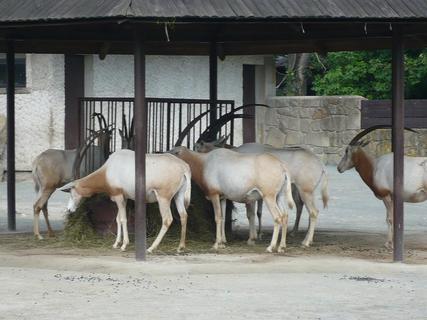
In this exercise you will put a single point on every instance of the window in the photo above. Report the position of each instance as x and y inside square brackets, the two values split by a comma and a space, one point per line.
[20, 71]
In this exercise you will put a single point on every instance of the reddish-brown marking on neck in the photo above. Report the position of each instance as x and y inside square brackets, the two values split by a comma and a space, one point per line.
[364, 165]
[95, 183]
[196, 162]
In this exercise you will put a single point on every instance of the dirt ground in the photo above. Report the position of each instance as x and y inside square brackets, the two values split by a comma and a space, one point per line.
[344, 275]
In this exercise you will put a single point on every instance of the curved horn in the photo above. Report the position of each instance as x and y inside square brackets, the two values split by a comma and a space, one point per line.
[82, 151]
[101, 120]
[124, 126]
[187, 129]
[370, 129]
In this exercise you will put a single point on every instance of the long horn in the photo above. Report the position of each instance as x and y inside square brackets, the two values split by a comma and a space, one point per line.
[370, 129]
[82, 151]
[125, 127]
[101, 120]
[132, 127]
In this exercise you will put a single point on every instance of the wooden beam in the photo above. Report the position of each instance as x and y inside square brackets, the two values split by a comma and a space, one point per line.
[10, 105]
[213, 80]
[140, 115]
[398, 120]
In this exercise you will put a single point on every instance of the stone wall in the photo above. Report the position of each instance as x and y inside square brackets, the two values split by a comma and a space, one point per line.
[325, 125]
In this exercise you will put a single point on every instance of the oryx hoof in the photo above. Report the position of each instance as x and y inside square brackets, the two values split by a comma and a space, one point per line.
[116, 245]
[292, 234]
[389, 245]
[180, 249]
[251, 242]
[270, 249]
[51, 234]
[218, 245]
[305, 244]
[123, 247]
[281, 249]
[150, 250]
[38, 236]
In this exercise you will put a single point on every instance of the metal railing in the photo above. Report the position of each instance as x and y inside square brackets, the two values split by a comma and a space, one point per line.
[169, 120]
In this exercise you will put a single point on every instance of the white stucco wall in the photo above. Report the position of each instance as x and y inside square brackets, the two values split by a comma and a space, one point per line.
[169, 77]
[39, 110]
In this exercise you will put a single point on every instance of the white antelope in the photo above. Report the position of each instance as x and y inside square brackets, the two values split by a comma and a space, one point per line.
[307, 173]
[167, 178]
[377, 173]
[223, 174]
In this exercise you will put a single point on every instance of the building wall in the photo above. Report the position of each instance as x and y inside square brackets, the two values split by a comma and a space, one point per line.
[169, 77]
[325, 125]
[40, 106]
[39, 109]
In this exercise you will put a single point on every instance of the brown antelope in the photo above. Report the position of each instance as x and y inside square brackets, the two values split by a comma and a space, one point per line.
[167, 178]
[223, 174]
[377, 173]
[53, 168]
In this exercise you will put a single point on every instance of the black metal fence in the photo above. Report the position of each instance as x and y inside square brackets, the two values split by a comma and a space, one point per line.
[169, 120]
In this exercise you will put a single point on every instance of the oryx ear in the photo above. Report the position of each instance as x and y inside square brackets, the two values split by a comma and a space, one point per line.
[221, 141]
[121, 133]
[68, 186]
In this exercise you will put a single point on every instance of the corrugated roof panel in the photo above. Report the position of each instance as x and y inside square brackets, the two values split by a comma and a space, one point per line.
[33, 10]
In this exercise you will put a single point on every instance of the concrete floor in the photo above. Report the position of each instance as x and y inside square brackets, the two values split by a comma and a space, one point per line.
[352, 206]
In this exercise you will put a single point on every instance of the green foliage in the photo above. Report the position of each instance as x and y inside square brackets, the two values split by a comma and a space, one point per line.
[368, 73]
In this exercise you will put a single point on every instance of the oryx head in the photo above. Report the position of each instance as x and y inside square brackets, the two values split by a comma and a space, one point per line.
[347, 161]
[204, 146]
[75, 197]
[356, 145]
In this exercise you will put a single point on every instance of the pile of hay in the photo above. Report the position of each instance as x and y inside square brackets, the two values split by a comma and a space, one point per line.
[80, 231]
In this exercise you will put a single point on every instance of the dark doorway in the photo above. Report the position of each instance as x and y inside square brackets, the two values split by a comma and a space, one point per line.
[74, 89]
[249, 98]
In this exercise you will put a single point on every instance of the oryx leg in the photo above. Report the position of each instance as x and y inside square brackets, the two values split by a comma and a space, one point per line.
[39, 204]
[180, 206]
[50, 232]
[388, 202]
[308, 200]
[277, 218]
[250, 213]
[166, 213]
[299, 204]
[121, 220]
[119, 233]
[259, 215]
[216, 203]
[223, 211]
[282, 206]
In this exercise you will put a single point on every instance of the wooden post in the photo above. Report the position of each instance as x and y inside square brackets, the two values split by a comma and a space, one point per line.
[213, 80]
[398, 121]
[140, 115]
[11, 189]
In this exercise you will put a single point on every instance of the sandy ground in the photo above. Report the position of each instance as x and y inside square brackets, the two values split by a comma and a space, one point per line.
[347, 273]
[208, 286]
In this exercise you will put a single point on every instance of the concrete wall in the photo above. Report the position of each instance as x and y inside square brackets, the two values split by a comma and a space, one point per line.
[39, 109]
[325, 125]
